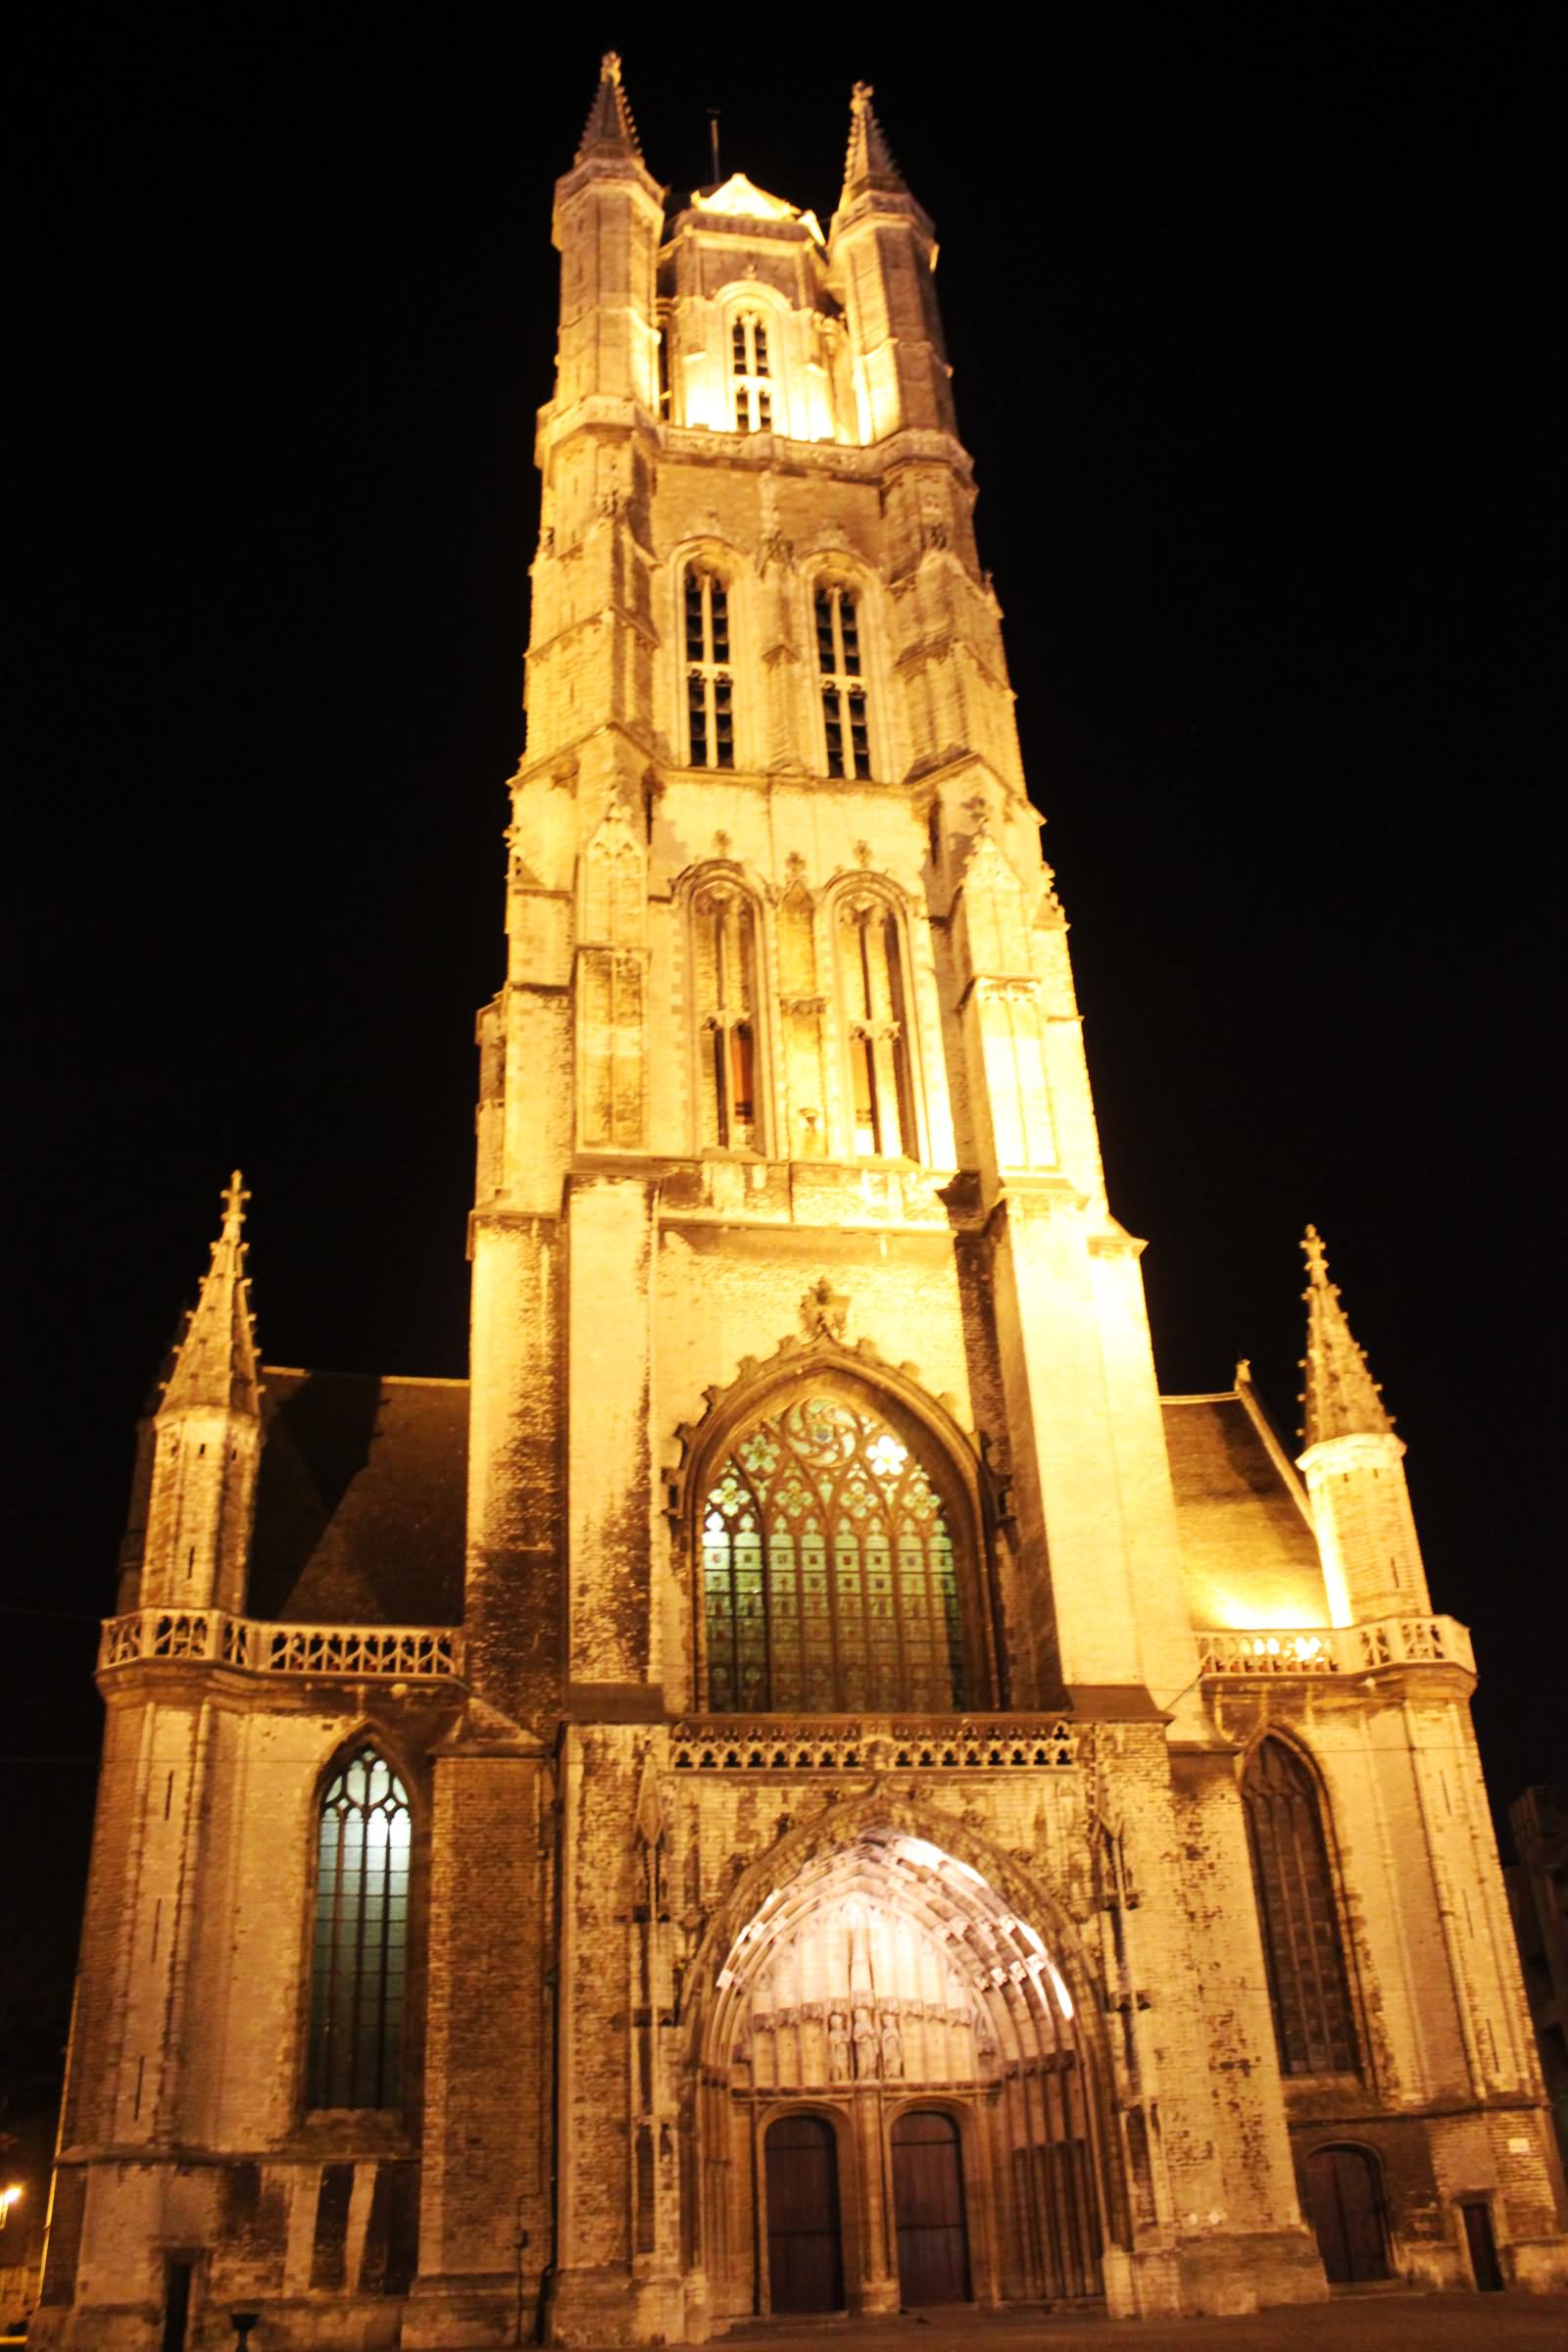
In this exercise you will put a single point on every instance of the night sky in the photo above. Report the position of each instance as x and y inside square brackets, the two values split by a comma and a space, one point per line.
[1253, 318]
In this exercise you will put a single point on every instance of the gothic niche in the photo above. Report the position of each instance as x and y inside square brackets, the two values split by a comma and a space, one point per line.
[829, 1577]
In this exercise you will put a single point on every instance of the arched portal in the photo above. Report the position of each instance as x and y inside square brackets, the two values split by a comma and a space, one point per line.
[889, 1992]
[1345, 2200]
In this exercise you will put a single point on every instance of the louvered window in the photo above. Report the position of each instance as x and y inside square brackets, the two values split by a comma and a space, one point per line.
[843, 688]
[876, 1030]
[725, 953]
[750, 375]
[710, 678]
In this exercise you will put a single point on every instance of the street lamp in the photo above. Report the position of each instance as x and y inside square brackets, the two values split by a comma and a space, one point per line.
[8, 2197]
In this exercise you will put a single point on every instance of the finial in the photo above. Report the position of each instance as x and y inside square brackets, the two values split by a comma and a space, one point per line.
[861, 96]
[610, 66]
[234, 1199]
[610, 129]
[869, 159]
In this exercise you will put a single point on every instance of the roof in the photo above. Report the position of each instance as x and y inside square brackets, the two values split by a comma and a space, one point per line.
[1249, 1553]
[360, 1501]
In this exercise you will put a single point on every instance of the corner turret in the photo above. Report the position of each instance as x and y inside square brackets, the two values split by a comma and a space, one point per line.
[1353, 1465]
[883, 251]
[206, 1439]
[608, 219]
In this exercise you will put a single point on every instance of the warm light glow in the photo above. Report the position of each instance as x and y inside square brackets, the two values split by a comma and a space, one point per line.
[9, 2197]
[741, 200]
[1245, 1613]
[921, 1851]
[1062, 1994]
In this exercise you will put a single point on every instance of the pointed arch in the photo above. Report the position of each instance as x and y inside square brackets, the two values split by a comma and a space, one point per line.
[357, 2042]
[838, 1534]
[874, 992]
[1297, 1911]
[725, 960]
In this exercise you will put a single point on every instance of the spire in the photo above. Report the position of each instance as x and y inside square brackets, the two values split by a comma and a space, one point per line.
[869, 160]
[1342, 1398]
[609, 128]
[215, 1365]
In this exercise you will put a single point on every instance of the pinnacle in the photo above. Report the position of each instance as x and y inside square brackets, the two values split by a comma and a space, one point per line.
[1342, 1398]
[215, 1363]
[869, 160]
[610, 129]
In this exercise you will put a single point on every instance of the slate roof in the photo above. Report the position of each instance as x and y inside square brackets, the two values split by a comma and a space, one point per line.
[1248, 1551]
[360, 1501]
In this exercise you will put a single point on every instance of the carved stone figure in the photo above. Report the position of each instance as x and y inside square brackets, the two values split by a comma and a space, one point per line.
[838, 2048]
[892, 2049]
[865, 2046]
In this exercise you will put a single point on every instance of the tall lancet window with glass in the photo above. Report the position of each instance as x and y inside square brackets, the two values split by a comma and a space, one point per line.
[709, 679]
[876, 1030]
[724, 940]
[838, 661]
[360, 1970]
[751, 374]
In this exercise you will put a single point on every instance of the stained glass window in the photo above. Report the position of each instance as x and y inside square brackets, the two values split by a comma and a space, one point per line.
[1306, 1980]
[828, 1570]
[362, 1937]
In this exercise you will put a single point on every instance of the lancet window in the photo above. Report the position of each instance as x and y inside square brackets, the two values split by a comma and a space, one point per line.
[1307, 1984]
[845, 724]
[872, 995]
[750, 375]
[724, 954]
[709, 677]
[360, 1959]
[828, 1569]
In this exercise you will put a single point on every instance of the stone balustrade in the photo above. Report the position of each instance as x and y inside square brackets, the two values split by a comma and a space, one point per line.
[1353, 1650]
[411, 1653]
[872, 1743]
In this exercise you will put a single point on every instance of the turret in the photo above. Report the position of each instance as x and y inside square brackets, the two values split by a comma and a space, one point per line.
[883, 251]
[207, 1440]
[1353, 1465]
[607, 218]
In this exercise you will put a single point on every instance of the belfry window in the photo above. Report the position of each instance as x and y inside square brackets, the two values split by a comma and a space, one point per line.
[876, 1031]
[828, 1569]
[710, 678]
[360, 1960]
[1306, 1978]
[838, 662]
[724, 945]
[750, 376]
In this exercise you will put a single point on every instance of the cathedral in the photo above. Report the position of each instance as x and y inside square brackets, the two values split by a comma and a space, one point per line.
[805, 1784]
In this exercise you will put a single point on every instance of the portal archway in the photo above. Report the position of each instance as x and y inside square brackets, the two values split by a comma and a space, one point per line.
[886, 1983]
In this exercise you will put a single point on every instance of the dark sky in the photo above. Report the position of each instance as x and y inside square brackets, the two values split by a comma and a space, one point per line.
[1253, 320]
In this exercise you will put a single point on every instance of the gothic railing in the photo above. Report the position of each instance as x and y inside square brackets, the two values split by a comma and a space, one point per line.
[1269, 1651]
[392, 1653]
[872, 1743]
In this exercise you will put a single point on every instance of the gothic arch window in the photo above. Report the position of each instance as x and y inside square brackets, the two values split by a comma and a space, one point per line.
[873, 997]
[830, 1576]
[1307, 1984]
[840, 679]
[724, 941]
[751, 372]
[709, 672]
[359, 1956]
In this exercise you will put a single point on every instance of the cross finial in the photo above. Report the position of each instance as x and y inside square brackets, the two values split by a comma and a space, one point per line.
[234, 1199]
[860, 96]
[610, 66]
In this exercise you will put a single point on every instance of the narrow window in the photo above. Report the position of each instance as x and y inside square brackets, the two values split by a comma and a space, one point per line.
[838, 661]
[1306, 1977]
[362, 1924]
[709, 679]
[724, 942]
[751, 374]
[876, 1031]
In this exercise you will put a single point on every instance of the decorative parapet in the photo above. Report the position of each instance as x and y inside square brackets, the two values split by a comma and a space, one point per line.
[872, 1743]
[411, 1653]
[1354, 1650]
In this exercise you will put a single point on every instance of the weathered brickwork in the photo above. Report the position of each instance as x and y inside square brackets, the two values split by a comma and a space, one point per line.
[884, 1742]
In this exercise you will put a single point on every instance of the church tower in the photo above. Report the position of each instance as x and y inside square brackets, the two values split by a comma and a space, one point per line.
[806, 1784]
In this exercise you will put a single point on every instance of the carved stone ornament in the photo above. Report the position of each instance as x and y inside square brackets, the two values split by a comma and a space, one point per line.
[824, 1311]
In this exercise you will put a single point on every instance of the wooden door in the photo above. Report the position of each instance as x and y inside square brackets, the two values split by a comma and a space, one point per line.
[1484, 2267]
[928, 2209]
[1344, 2196]
[804, 2253]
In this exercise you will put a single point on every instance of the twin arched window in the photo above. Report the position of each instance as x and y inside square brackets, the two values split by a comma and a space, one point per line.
[709, 677]
[710, 673]
[359, 1956]
[750, 376]
[845, 724]
[1307, 1985]
[829, 1577]
[724, 954]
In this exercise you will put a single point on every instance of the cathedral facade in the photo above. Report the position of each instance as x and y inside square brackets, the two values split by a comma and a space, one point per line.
[805, 1784]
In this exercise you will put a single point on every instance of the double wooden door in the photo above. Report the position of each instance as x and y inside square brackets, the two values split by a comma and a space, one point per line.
[928, 2209]
[1344, 2197]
